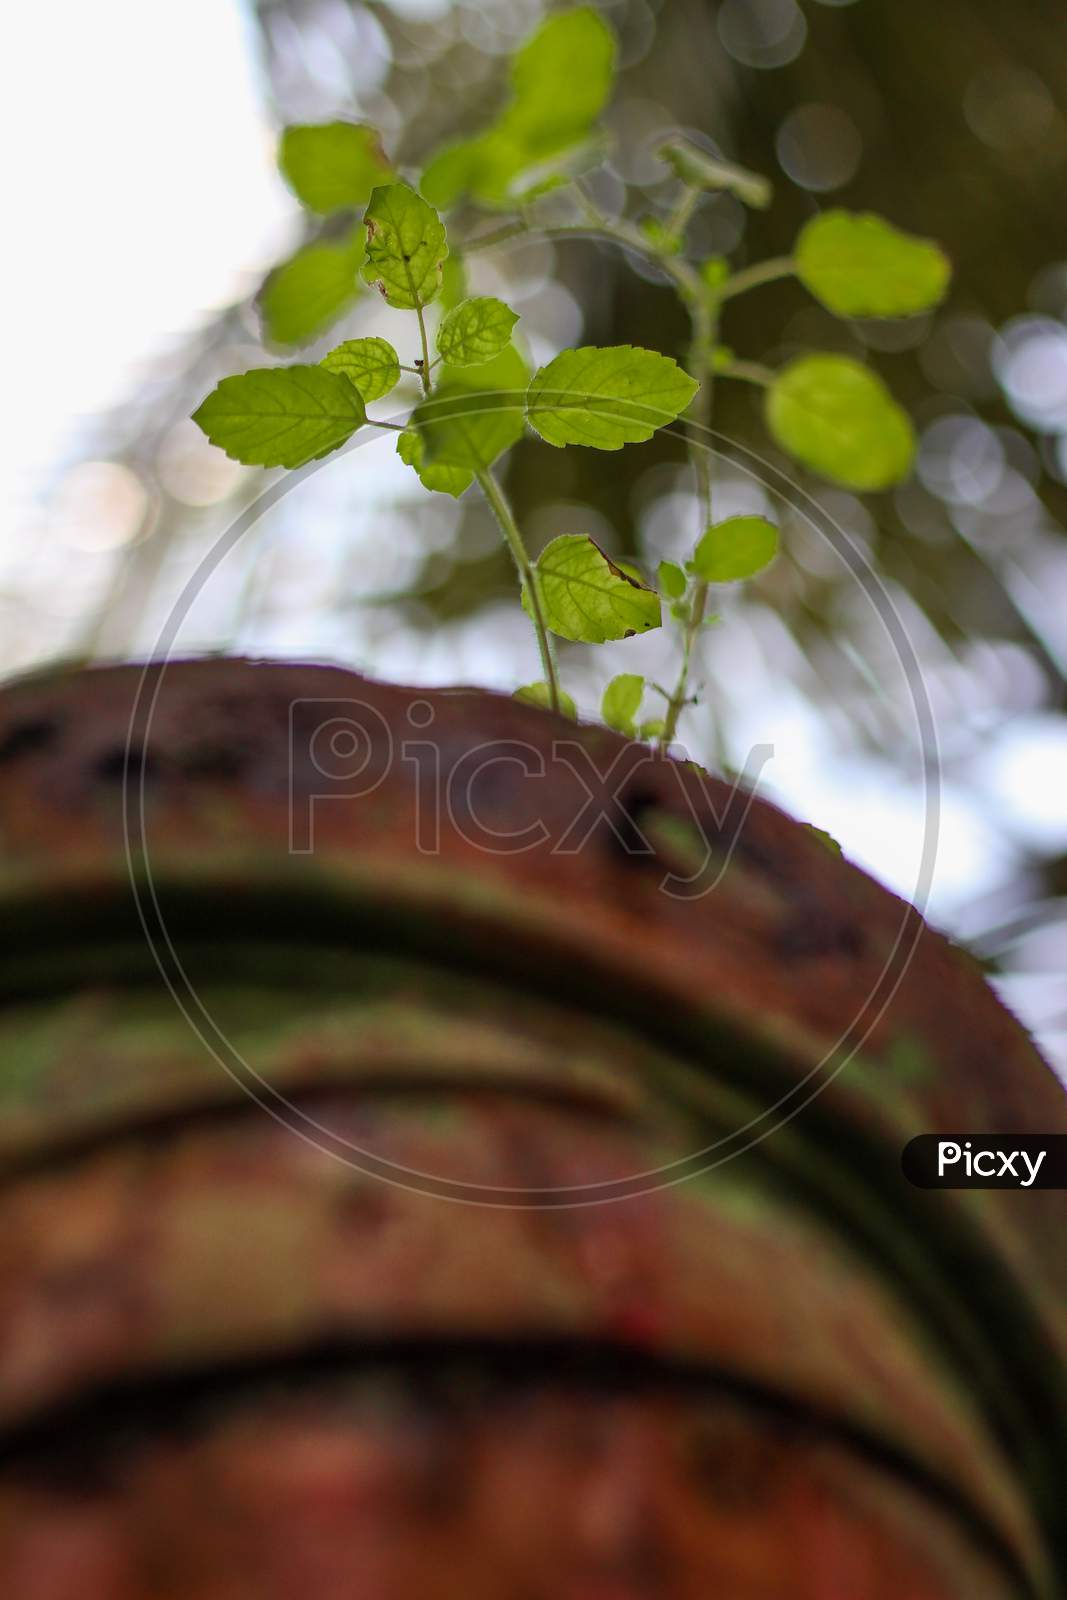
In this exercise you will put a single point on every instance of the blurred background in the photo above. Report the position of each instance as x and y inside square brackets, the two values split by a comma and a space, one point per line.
[143, 194]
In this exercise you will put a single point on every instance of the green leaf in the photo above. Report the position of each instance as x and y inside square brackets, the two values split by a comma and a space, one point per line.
[453, 281]
[668, 240]
[558, 170]
[734, 549]
[455, 170]
[703, 171]
[406, 246]
[859, 265]
[371, 364]
[474, 413]
[574, 50]
[475, 331]
[607, 398]
[301, 298]
[714, 272]
[539, 694]
[824, 838]
[622, 701]
[653, 729]
[586, 597]
[672, 580]
[561, 78]
[281, 416]
[434, 475]
[837, 417]
[331, 165]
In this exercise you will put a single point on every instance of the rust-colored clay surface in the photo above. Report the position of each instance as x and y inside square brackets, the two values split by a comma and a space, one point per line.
[503, 1047]
[544, 1494]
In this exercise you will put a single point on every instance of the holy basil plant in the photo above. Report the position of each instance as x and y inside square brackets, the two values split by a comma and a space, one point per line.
[383, 229]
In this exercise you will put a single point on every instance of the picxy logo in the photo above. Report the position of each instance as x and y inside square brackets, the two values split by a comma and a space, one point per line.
[986, 1161]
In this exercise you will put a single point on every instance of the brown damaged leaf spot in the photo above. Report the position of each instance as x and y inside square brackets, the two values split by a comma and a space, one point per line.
[627, 577]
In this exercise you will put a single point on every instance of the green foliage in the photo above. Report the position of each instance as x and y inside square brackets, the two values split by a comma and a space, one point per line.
[837, 417]
[371, 364]
[475, 331]
[281, 416]
[433, 475]
[332, 165]
[735, 549]
[714, 272]
[539, 694]
[672, 581]
[453, 282]
[587, 597]
[667, 240]
[406, 247]
[474, 414]
[699, 170]
[830, 413]
[607, 398]
[622, 701]
[560, 82]
[859, 265]
[827, 840]
[301, 298]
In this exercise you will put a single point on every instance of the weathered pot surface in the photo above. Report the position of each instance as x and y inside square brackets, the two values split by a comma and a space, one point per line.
[452, 1151]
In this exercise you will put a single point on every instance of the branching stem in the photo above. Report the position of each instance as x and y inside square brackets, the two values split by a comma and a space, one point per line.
[678, 220]
[703, 307]
[613, 229]
[424, 370]
[750, 372]
[498, 503]
[705, 328]
[752, 277]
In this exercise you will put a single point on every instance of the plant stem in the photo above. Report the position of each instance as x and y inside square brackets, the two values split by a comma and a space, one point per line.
[614, 231]
[501, 235]
[749, 372]
[498, 503]
[697, 608]
[705, 328]
[703, 314]
[678, 220]
[752, 277]
[424, 370]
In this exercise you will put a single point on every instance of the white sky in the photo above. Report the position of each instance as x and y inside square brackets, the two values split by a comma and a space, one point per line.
[139, 190]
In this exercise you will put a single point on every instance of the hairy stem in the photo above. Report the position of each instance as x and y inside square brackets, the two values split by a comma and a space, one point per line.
[678, 220]
[750, 372]
[498, 503]
[752, 277]
[613, 230]
[703, 314]
[705, 327]
[424, 370]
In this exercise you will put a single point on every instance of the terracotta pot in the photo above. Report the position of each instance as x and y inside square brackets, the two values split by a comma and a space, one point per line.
[448, 1152]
